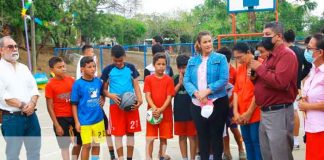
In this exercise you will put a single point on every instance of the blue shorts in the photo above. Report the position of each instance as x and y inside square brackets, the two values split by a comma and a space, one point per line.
[229, 123]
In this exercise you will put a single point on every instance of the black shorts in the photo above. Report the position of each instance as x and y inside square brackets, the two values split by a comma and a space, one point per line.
[106, 122]
[67, 123]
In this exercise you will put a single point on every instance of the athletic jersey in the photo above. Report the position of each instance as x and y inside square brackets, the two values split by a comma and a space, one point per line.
[86, 95]
[120, 80]
[182, 103]
[60, 91]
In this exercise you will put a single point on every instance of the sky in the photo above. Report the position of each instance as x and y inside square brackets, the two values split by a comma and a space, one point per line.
[169, 6]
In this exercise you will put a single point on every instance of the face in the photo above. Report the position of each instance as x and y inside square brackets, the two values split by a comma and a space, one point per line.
[59, 69]
[206, 44]
[263, 52]
[316, 51]
[9, 51]
[88, 52]
[239, 56]
[160, 65]
[182, 69]
[89, 69]
[119, 62]
[153, 42]
[268, 32]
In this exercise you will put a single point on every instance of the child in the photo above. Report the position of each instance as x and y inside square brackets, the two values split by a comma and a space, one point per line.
[57, 93]
[118, 78]
[159, 89]
[230, 123]
[183, 123]
[88, 115]
[87, 50]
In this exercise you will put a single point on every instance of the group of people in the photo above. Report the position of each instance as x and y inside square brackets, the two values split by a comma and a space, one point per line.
[209, 95]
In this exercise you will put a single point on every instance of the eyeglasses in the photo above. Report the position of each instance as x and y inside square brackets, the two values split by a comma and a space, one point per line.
[309, 48]
[11, 47]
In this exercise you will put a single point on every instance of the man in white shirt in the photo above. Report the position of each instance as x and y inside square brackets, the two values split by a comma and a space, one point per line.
[87, 50]
[18, 98]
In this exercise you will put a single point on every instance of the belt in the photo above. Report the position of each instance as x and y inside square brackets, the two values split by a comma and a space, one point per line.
[275, 107]
[16, 113]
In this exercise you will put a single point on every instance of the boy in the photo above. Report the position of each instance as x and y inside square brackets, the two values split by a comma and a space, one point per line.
[118, 78]
[183, 123]
[87, 50]
[88, 115]
[57, 93]
[159, 89]
[229, 123]
[150, 68]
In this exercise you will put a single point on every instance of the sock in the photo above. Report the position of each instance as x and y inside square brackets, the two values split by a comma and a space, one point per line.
[211, 157]
[94, 157]
[296, 142]
[112, 154]
[129, 158]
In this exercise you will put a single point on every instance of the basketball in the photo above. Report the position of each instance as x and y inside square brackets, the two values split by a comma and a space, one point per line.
[150, 118]
[128, 100]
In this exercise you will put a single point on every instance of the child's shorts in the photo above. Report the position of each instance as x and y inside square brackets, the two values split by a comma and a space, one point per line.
[69, 135]
[95, 132]
[185, 128]
[123, 122]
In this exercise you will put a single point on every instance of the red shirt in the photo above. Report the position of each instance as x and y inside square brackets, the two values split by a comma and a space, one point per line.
[244, 88]
[60, 90]
[276, 81]
[232, 79]
[160, 89]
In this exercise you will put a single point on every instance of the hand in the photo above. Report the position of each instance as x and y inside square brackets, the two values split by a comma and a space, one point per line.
[237, 118]
[255, 64]
[204, 93]
[248, 72]
[137, 104]
[204, 101]
[180, 78]
[245, 117]
[29, 109]
[197, 95]
[157, 112]
[115, 98]
[59, 130]
[102, 101]
[77, 126]
[303, 105]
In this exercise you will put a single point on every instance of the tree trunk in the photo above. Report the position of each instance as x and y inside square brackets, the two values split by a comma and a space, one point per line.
[252, 21]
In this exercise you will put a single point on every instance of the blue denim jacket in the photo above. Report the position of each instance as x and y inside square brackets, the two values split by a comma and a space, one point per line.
[217, 75]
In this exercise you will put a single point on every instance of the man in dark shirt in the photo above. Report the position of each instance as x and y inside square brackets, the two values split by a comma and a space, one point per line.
[303, 70]
[275, 91]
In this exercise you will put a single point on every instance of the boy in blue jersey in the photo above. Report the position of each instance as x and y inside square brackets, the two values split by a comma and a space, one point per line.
[86, 102]
[118, 78]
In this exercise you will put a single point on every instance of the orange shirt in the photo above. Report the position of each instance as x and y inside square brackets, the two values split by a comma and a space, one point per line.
[244, 88]
[59, 90]
[160, 88]
[232, 79]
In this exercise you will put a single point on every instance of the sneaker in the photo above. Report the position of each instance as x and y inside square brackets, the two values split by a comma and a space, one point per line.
[296, 147]
[227, 157]
[166, 157]
[198, 157]
[242, 155]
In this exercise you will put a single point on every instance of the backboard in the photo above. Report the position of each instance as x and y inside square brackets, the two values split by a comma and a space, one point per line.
[237, 6]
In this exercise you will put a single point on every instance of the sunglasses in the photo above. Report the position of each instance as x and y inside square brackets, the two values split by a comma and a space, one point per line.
[11, 47]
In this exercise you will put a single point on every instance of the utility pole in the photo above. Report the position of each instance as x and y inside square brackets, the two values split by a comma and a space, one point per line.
[33, 43]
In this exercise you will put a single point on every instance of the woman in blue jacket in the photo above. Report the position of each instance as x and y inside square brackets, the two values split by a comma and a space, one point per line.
[205, 80]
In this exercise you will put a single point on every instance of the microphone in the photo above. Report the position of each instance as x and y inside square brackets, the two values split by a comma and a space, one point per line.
[256, 57]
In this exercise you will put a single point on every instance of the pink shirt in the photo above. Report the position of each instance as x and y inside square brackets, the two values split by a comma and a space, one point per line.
[314, 90]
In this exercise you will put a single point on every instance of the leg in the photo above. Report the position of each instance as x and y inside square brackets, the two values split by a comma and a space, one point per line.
[238, 138]
[65, 153]
[85, 151]
[76, 152]
[254, 128]
[263, 138]
[95, 150]
[247, 138]
[130, 145]
[296, 129]
[183, 146]
[110, 146]
[149, 148]
[193, 146]
[32, 138]
[163, 146]
[226, 144]
[119, 146]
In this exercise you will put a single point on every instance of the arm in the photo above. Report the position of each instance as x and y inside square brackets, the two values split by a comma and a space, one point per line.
[165, 104]
[75, 117]
[189, 86]
[304, 106]
[235, 108]
[58, 129]
[223, 76]
[112, 96]
[150, 101]
[178, 85]
[138, 93]
[283, 74]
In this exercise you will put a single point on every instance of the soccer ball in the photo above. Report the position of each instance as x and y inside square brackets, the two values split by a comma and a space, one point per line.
[150, 118]
[128, 99]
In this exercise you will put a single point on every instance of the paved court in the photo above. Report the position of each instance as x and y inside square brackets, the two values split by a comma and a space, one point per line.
[50, 150]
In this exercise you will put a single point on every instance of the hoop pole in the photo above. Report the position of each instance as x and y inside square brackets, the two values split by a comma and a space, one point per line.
[234, 26]
[276, 12]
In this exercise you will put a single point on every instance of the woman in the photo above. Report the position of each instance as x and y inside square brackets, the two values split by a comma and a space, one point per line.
[313, 99]
[263, 53]
[205, 79]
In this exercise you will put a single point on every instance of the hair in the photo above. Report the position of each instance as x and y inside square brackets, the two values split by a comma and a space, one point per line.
[242, 47]
[118, 51]
[227, 52]
[307, 39]
[276, 27]
[86, 60]
[158, 39]
[198, 39]
[259, 44]
[157, 48]
[85, 47]
[319, 40]
[54, 60]
[182, 60]
[158, 56]
[2, 40]
[289, 36]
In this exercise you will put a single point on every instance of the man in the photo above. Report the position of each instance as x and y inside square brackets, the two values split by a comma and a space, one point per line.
[18, 98]
[275, 91]
[303, 70]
